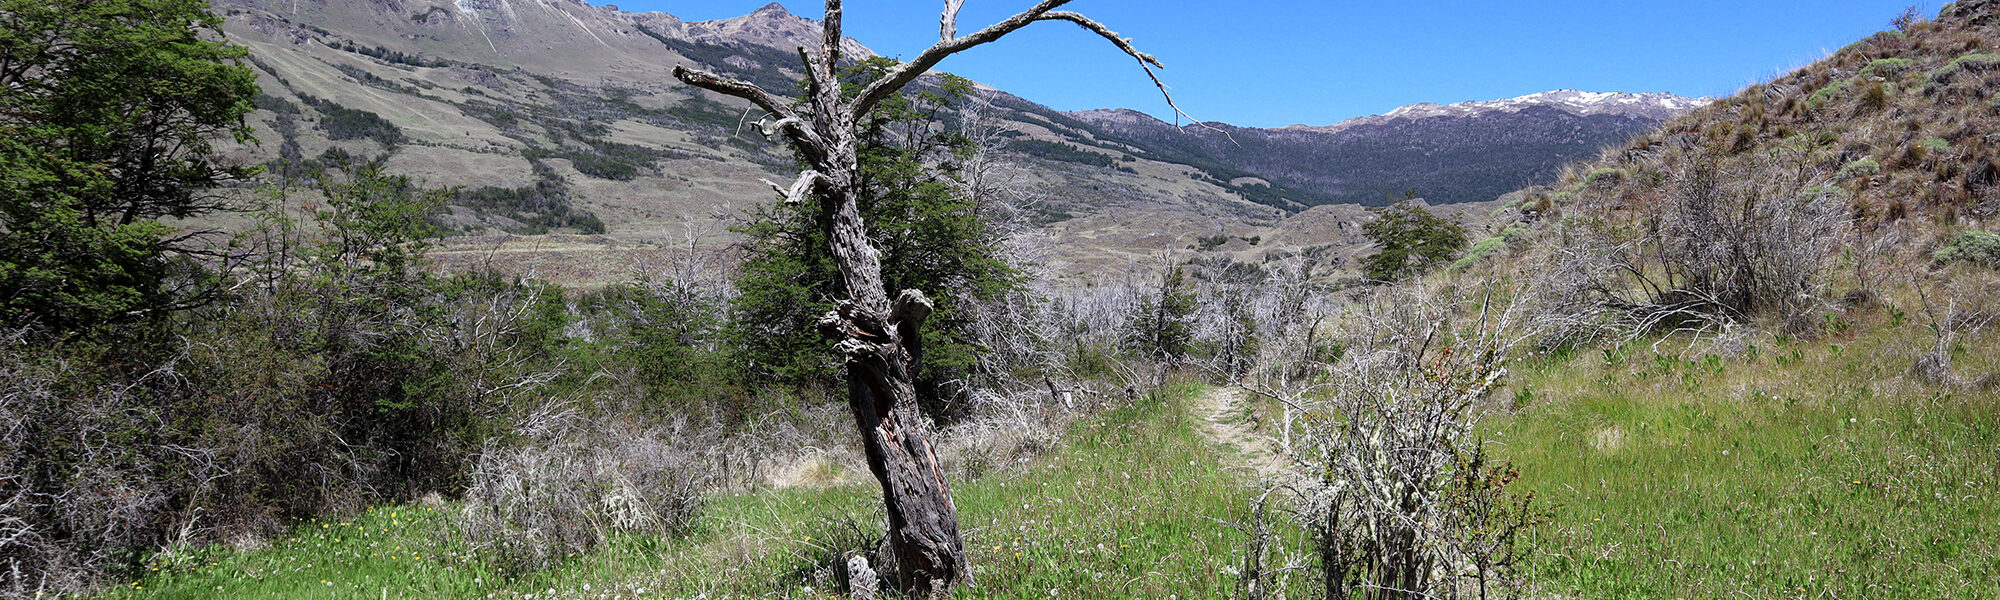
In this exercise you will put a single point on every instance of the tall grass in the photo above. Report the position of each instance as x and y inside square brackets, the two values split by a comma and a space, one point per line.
[1796, 471]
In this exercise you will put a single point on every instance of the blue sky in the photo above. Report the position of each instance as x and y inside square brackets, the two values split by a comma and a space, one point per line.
[1270, 63]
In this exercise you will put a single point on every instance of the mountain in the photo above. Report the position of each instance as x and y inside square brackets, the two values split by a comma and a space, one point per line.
[1659, 107]
[577, 152]
[1465, 152]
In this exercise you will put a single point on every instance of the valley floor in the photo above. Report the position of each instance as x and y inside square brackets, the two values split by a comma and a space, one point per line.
[1791, 470]
[1135, 503]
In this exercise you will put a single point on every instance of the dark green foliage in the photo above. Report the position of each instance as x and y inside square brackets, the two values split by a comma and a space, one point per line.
[1162, 329]
[539, 208]
[604, 160]
[930, 238]
[387, 55]
[1061, 152]
[108, 110]
[1412, 239]
[343, 123]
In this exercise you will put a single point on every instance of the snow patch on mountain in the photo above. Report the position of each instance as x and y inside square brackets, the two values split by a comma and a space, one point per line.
[1659, 106]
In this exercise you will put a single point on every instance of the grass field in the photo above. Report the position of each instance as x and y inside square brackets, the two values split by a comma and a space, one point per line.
[1132, 505]
[1793, 470]
[1798, 470]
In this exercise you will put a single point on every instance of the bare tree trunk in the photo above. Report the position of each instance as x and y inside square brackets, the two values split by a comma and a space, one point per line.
[877, 338]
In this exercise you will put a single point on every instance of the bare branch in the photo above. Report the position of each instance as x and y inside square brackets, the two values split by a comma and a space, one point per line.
[831, 40]
[948, 24]
[797, 193]
[909, 71]
[788, 121]
[1146, 61]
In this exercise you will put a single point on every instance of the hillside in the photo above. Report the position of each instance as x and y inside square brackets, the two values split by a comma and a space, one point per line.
[1766, 368]
[1900, 126]
[576, 149]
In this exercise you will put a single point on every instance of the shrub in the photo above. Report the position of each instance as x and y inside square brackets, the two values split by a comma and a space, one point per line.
[1606, 177]
[1479, 252]
[1729, 242]
[1828, 93]
[1394, 489]
[572, 485]
[1935, 144]
[1887, 68]
[1866, 167]
[1412, 241]
[1968, 64]
[343, 123]
[1976, 247]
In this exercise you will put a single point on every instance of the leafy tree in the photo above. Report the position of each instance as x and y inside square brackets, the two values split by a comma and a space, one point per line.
[1412, 239]
[930, 237]
[108, 112]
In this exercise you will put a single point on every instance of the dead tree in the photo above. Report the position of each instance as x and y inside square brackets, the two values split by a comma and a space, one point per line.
[876, 336]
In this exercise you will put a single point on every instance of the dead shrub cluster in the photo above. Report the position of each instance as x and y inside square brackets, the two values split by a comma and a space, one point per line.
[1389, 477]
[570, 484]
[1719, 243]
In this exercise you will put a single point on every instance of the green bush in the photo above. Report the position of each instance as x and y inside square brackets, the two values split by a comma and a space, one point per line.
[1935, 144]
[343, 123]
[1866, 167]
[1606, 177]
[1887, 68]
[1970, 63]
[1828, 93]
[109, 112]
[1976, 247]
[1412, 240]
[1479, 251]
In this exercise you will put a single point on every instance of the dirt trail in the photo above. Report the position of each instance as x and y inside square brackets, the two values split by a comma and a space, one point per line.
[1226, 421]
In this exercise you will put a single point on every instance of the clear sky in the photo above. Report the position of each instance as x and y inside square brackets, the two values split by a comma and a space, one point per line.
[1270, 63]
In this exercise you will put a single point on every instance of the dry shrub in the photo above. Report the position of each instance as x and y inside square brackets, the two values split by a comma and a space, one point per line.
[1730, 241]
[1402, 502]
[1007, 430]
[573, 483]
[90, 478]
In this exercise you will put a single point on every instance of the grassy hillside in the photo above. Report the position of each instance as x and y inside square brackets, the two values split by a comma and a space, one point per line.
[1797, 469]
[1771, 375]
[1901, 125]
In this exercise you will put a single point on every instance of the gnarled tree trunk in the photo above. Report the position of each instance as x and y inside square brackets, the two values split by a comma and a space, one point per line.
[877, 337]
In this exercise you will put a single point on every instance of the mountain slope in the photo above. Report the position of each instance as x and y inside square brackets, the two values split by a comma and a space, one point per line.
[1466, 152]
[558, 117]
[1901, 126]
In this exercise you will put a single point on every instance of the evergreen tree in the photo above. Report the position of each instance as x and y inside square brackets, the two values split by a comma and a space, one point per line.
[930, 236]
[1412, 239]
[1162, 329]
[108, 112]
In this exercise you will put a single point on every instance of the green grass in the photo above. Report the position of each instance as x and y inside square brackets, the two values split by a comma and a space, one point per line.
[1128, 506]
[1799, 471]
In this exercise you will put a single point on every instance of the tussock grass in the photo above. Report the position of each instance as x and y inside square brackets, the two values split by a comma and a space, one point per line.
[1132, 503]
[1799, 470]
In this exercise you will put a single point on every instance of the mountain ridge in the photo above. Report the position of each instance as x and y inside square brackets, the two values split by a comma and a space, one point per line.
[1657, 105]
[557, 116]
